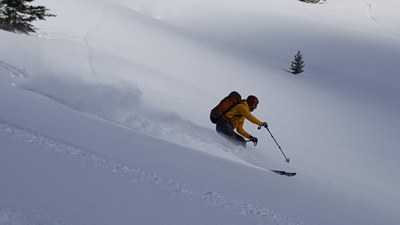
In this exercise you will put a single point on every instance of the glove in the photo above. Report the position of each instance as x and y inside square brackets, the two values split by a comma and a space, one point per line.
[253, 139]
[265, 124]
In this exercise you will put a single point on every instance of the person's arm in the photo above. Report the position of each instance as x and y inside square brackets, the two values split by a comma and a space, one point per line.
[251, 118]
[241, 131]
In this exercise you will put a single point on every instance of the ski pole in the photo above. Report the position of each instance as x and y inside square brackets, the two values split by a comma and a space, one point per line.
[286, 158]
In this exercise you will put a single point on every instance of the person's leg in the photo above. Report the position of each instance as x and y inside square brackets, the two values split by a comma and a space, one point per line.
[225, 129]
[240, 140]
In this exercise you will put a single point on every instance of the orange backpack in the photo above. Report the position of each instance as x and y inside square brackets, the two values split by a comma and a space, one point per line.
[224, 106]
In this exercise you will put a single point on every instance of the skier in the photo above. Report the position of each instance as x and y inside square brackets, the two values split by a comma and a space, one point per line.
[234, 119]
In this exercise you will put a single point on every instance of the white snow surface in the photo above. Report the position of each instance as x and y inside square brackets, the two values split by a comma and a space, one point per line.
[104, 113]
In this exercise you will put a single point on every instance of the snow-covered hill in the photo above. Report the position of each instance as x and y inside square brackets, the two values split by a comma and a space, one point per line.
[104, 113]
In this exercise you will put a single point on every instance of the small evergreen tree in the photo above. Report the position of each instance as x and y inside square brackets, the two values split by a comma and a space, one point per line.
[298, 64]
[17, 16]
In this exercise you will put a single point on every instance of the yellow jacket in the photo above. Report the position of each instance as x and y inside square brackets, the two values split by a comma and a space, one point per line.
[237, 115]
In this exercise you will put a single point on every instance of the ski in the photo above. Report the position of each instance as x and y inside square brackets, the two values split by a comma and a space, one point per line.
[284, 173]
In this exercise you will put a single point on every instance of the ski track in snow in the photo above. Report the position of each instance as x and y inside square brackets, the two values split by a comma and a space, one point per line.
[87, 44]
[259, 215]
[369, 8]
[14, 71]
[370, 16]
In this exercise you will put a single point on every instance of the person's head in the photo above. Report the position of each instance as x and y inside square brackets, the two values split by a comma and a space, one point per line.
[252, 101]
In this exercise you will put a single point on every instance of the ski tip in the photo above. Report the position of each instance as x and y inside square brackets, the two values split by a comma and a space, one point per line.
[284, 173]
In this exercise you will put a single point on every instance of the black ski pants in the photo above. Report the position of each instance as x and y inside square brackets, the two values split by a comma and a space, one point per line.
[225, 129]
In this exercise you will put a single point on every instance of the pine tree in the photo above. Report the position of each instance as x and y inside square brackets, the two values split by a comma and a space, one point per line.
[298, 64]
[17, 15]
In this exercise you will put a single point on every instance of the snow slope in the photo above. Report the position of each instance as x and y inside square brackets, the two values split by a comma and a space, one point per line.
[104, 113]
